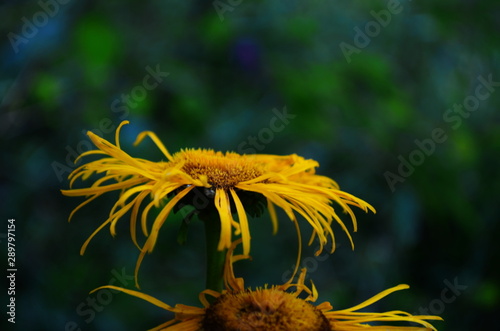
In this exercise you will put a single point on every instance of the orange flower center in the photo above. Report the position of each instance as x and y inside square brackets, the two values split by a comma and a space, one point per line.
[263, 309]
[222, 170]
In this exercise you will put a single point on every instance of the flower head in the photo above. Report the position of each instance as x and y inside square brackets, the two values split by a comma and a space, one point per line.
[223, 183]
[276, 308]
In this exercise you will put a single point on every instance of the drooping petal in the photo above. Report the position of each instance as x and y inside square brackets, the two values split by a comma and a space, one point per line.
[222, 205]
[242, 217]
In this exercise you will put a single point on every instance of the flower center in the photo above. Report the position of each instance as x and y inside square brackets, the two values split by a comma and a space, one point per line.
[263, 309]
[222, 170]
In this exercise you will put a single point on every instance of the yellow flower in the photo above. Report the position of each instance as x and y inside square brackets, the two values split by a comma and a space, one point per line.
[276, 308]
[223, 180]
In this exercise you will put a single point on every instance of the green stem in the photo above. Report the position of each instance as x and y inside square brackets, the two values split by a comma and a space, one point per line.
[215, 258]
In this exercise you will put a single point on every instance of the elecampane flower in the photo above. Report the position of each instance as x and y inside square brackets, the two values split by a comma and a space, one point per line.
[229, 183]
[276, 308]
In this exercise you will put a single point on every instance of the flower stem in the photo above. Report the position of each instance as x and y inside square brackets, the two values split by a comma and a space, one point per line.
[215, 258]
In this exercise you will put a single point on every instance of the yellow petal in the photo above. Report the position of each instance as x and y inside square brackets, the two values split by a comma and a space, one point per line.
[223, 207]
[156, 140]
[138, 294]
[242, 217]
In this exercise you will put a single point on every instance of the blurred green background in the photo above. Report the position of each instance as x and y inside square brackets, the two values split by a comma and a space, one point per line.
[364, 84]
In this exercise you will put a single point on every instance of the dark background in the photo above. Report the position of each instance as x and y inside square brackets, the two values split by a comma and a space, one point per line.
[364, 95]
